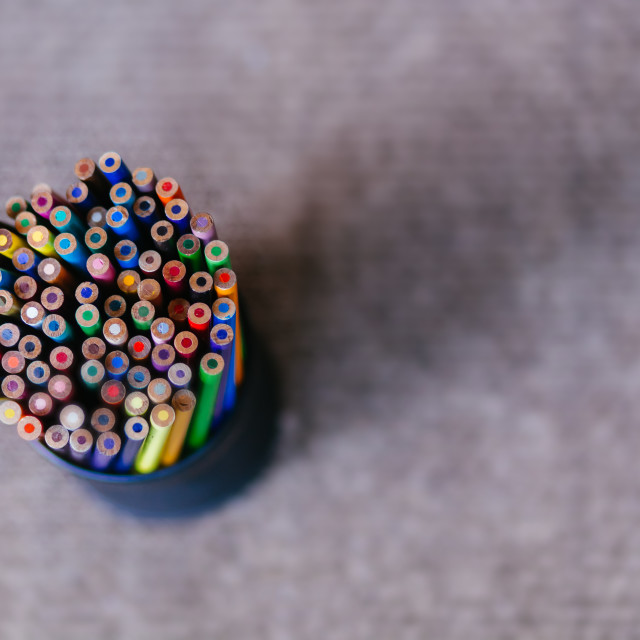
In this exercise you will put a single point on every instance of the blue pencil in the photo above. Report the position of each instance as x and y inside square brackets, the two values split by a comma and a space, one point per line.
[224, 312]
[120, 221]
[135, 432]
[113, 168]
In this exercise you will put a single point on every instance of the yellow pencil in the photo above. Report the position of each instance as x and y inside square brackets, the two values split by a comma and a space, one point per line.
[161, 420]
[183, 402]
[10, 243]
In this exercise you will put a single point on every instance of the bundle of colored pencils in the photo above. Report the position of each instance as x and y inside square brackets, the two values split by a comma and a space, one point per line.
[121, 342]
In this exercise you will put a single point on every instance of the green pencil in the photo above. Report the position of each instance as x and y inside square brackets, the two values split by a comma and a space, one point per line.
[216, 255]
[211, 367]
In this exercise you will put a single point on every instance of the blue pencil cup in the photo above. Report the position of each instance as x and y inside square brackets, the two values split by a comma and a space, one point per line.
[237, 451]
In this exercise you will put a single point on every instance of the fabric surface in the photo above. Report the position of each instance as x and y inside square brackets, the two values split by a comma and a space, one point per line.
[433, 209]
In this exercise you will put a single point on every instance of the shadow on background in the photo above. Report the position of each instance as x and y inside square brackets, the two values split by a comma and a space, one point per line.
[410, 244]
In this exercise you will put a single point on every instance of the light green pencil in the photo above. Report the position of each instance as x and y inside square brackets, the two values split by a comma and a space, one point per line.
[160, 423]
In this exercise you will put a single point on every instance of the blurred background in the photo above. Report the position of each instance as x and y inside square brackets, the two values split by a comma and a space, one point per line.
[434, 211]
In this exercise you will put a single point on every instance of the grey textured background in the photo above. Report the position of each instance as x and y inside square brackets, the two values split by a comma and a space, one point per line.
[434, 208]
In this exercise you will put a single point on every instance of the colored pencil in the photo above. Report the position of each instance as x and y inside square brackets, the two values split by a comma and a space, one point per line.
[57, 438]
[138, 377]
[190, 252]
[203, 226]
[160, 422]
[10, 243]
[80, 445]
[183, 403]
[57, 328]
[115, 332]
[142, 314]
[30, 347]
[52, 299]
[60, 387]
[144, 210]
[13, 387]
[174, 274]
[13, 362]
[101, 270]
[221, 341]
[122, 195]
[167, 189]
[201, 287]
[92, 373]
[179, 375]
[9, 334]
[25, 261]
[106, 449]
[71, 251]
[25, 221]
[10, 412]
[72, 417]
[121, 222]
[128, 282]
[226, 286]
[162, 357]
[97, 218]
[149, 290]
[14, 206]
[177, 212]
[52, 272]
[87, 293]
[96, 240]
[136, 404]
[10, 305]
[40, 239]
[113, 392]
[159, 391]
[139, 348]
[30, 428]
[43, 201]
[113, 168]
[135, 432]
[115, 306]
[186, 345]
[144, 180]
[38, 373]
[40, 404]
[178, 311]
[150, 263]
[61, 358]
[116, 363]
[79, 196]
[211, 367]
[216, 255]
[64, 221]
[102, 420]
[162, 330]
[162, 235]
[93, 348]
[199, 317]
[32, 313]
[25, 288]
[126, 254]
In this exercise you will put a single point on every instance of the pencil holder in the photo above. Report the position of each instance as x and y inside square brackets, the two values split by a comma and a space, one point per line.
[236, 454]
[126, 351]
